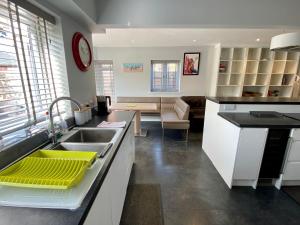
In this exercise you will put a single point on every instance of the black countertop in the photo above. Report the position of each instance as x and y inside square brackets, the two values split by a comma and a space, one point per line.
[247, 120]
[255, 100]
[34, 216]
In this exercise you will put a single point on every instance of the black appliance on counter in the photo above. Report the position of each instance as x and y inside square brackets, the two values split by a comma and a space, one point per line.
[274, 153]
[265, 114]
[103, 103]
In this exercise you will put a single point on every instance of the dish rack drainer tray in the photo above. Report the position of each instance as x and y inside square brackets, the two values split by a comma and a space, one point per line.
[45, 172]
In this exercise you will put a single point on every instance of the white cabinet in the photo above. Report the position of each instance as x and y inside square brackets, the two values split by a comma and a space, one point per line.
[120, 173]
[292, 171]
[249, 153]
[294, 153]
[108, 205]
[100, 212]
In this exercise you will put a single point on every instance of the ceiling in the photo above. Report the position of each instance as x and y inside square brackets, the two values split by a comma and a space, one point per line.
[162, 37]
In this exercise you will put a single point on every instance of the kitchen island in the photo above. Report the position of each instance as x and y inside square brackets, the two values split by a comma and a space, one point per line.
[92, 210]
[236, 141]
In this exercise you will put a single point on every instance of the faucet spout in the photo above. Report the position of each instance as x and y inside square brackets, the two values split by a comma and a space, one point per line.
[54, 139]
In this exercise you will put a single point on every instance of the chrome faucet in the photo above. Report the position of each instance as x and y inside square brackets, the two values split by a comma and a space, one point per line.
[54, 139]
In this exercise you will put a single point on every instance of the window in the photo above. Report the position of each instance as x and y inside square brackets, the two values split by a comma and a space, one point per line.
[165, 76]
[32, 66]
[104, 76]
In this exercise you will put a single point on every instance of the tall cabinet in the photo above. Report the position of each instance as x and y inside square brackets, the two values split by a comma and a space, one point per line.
[256, 72]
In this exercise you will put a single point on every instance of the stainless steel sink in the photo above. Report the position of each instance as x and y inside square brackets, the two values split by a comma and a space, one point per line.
[101, 148]
[89, 139]
[93, 135]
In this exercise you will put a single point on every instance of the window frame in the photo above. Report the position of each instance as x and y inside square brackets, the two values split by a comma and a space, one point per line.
[164, 78]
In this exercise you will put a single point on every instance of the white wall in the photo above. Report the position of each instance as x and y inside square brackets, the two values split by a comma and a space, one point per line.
[207, 13]
[89, 7]
[138, 84]
[81, 84]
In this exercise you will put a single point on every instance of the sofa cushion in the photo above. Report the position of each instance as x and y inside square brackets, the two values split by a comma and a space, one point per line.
[169, 116]
[167, 103]
[182, 109]
[170, 120]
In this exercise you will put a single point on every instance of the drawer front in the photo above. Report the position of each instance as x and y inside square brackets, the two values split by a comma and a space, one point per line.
[295, 134]
[294, 154]
[292, 171]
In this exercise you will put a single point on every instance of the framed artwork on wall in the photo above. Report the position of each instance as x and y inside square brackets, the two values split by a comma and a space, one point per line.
[133, 67]
[191, 63]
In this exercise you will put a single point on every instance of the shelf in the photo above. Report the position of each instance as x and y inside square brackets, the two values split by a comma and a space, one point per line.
[278, 67]
[238, 54]
[290, 67]
[293, 56]
[255, 71]
[225, 67]
[262, 79]
[266, 54]
[265, 67]
[252, 67]
[226, 54]
[280, 56]
[229, 85]
[281, 85]
[253, 54]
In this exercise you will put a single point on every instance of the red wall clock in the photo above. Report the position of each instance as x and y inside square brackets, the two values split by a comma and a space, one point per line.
[81, 51]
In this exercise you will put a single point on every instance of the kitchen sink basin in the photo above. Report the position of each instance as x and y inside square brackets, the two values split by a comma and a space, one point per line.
[89, 139]
[100, 148]
[94, 135]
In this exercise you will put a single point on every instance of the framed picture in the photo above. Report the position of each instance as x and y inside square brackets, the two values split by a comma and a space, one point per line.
[191, 63]
[133, 67]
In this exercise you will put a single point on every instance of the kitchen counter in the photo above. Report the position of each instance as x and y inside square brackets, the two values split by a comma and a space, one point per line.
[35, 216]
[255, 100]
[247, 120]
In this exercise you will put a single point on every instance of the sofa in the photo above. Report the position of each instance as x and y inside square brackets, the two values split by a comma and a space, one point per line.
[197, 110]
[174, 114]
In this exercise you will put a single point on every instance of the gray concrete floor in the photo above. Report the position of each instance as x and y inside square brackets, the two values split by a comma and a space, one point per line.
[193, 193]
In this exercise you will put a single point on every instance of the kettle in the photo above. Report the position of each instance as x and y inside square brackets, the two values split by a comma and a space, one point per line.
[102, 104]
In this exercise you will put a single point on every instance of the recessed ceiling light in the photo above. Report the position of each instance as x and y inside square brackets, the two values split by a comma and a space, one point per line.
[132, 41]
[194, 40]
[257, 39]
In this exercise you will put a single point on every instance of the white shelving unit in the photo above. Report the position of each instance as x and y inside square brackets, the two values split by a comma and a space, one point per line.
[256, 72]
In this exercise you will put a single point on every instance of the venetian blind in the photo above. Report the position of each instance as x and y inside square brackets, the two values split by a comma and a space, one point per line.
[32, 67]
[104, 77]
